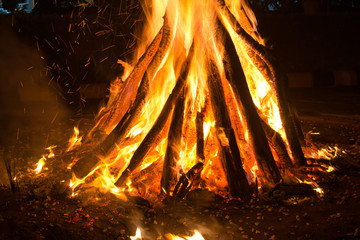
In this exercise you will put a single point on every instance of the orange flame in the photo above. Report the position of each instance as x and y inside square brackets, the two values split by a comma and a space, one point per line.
[40, 164]
[75, 140]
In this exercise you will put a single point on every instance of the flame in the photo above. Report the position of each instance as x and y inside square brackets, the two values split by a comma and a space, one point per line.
[314, 185]
[189, 29]
[323, 153]
[75, 140]
[137, 235]
[40, 164]
[197, 236]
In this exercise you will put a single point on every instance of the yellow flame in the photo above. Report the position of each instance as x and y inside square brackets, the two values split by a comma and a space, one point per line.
[197, 236]
[40, 164]
[330, 169]
[137, 235]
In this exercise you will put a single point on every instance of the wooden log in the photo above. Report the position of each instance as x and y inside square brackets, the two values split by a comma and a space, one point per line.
[172, 154]
[288, 123]
[231, 158]
[133, 114]
[186, 181]
[277, 144]
[151, 137]
[297, 125]
[199, 122]
[257, 138]
[134, 111]
[87, 161]
[148, 170]
[122, 101]
[276, 78]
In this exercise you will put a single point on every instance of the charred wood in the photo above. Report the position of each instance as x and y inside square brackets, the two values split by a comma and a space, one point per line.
[199, 122]
[187, 180]
[172, 154]
[231, 159]
[277, 144]
[276, 78]
[10, 165]
[282, 191]
[297, 125]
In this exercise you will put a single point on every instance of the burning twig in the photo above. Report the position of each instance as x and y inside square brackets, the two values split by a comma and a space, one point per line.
[11, 170]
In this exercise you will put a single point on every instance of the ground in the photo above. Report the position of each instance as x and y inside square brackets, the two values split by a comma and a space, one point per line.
[282, 214]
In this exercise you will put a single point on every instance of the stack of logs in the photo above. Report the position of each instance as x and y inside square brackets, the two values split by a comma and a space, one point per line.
[127, 107]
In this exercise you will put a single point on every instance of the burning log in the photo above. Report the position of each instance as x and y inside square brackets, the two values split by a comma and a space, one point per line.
[129, 119]
[172, 154]
[257, 137]
[87, 163]
[151, 137]
[186, 180]
[142, 174]
[122, 101]
[231, 160]
[278, 145]
[275, 78]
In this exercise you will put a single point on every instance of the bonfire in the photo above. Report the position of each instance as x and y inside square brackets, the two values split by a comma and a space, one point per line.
[203, 105]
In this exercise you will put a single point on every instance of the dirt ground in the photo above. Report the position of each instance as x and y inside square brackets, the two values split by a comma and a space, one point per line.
[284, 213]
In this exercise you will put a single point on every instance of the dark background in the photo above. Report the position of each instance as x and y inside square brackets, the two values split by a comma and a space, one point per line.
[79, 43]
